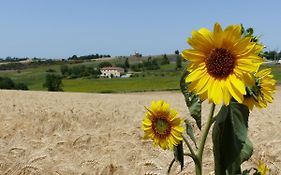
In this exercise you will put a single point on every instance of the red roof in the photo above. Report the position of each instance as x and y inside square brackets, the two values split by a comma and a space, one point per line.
[113, 68]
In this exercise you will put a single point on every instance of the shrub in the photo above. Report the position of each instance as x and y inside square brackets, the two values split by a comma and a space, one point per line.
[53, 82]
[21, 86]
[165, 60]
[64, 70]
[104, 64]
[136, 67]
[7, 83]
[50, 70]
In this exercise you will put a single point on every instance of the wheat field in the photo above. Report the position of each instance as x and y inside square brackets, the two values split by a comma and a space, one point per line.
[58, 133]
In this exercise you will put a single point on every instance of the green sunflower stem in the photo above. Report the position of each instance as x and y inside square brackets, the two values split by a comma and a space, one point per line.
[192, 153]
[193, 156]
[199, 156]
[170, 166]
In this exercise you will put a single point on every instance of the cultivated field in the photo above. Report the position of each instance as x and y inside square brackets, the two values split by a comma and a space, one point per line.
[73, 134]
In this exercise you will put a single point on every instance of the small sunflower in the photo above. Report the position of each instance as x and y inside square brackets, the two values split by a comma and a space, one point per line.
[262, 169]
[260, 93]
[220, 62]
[162, 125]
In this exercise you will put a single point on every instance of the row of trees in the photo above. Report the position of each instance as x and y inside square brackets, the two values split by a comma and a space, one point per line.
[20, 66]
[12, 63]
[79, 71]
[272, 55]
[150, 64]
[74, 57]
[13, 59]
[154, 63]
[88, 57]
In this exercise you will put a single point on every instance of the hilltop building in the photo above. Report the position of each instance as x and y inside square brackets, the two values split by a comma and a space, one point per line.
[137, 55]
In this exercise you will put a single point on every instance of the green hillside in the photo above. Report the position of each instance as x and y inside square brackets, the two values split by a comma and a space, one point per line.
[165, 78]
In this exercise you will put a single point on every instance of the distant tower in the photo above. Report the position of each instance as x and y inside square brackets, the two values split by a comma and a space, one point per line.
[137, 54]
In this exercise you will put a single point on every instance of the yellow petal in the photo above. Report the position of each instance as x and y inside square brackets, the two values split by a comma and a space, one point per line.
[195, 75]
[199, 42]
[226, 94]
[218, 35]
[210, 90]
[231, 35]
[238, 84]
[208, 35]
[232, 32]
[247, 65]
[193, 55]
[216, 92]
[241, 46]
[203, 84]
[234, 93]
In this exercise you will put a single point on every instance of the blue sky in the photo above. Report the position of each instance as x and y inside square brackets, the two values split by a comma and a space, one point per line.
[61, 28]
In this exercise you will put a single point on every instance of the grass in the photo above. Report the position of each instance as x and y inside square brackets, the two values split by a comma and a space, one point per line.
[122, 85]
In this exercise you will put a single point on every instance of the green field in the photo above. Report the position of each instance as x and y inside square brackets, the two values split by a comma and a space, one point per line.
[166, 78]
[122, 85]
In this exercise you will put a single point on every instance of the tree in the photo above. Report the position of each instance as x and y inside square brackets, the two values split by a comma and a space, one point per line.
[178, 62]
[64, 70]
[127, 65]
[21, 86]
[104, 64]
[150, 64]
[77, 71]
[165, 60]
[8, 83]
[53, 82]
[93, 72]
[74, 57]
[271, 55]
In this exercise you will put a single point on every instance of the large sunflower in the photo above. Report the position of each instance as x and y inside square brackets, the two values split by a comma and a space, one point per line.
[162, 125]
[220, 63]
[259, 93]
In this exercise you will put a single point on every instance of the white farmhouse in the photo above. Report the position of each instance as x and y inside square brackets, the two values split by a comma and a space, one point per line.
[111, 72]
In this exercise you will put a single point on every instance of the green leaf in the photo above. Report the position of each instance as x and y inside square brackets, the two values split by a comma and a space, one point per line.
[230, 142]
[246, 172]
[178, 153]
[246, 151]
[192, 100]
[189, 132]
[257, 173]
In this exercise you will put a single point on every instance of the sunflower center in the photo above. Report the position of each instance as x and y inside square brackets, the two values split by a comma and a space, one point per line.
[220, 63]
[161, 127]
